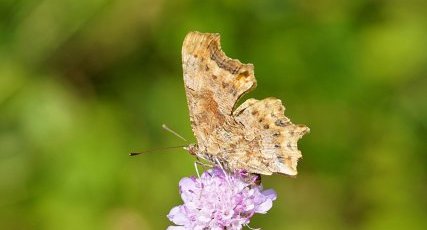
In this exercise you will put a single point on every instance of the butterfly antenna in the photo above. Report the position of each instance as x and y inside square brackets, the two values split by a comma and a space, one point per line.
[173, 132]
[154, 150]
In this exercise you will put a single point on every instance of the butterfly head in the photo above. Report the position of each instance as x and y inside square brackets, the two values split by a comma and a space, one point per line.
[193, 149]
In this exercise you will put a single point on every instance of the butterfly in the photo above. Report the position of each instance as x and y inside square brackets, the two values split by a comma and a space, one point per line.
[255, 136]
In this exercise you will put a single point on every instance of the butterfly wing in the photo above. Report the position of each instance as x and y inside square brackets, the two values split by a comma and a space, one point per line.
[213, 84]
[256, 136]
[276, 134]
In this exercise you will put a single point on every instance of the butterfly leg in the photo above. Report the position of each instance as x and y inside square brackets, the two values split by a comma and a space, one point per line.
[203, 164]
[197, 169]
[223, 170]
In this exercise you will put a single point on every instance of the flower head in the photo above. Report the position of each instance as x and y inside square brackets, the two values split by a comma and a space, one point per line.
[218, 200]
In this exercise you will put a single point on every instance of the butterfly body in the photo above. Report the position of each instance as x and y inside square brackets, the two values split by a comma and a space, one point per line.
[255, 136]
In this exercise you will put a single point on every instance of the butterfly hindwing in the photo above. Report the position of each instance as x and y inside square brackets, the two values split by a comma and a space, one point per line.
[277, 135]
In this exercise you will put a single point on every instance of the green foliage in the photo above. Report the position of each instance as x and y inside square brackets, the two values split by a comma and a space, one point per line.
[83, 83]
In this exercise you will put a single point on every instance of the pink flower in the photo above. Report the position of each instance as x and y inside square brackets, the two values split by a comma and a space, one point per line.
[218, 200]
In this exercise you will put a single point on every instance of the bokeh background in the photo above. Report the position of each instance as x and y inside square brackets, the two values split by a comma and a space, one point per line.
[83, 83]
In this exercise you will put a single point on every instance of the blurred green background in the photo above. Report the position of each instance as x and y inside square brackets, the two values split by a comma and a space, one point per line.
[83, 83]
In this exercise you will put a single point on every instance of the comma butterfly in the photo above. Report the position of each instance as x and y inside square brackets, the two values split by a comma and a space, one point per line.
[256, 136]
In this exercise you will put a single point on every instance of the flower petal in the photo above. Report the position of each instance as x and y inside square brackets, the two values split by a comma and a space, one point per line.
[270, 193]
[264, 207]
[177, 216]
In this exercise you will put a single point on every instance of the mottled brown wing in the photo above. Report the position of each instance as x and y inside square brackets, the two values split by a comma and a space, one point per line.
[256, 136]
[276, 134]
[213, 84]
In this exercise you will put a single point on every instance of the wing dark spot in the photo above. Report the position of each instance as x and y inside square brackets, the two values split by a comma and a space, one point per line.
[225, 85]
[281, 122]
[255, 112]
[207, 68]
[242, 75]
[276, 134]
[232, 91]
[245, 73]
[260, 120]
[266, 126]
[276, 146]
[213, 75]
